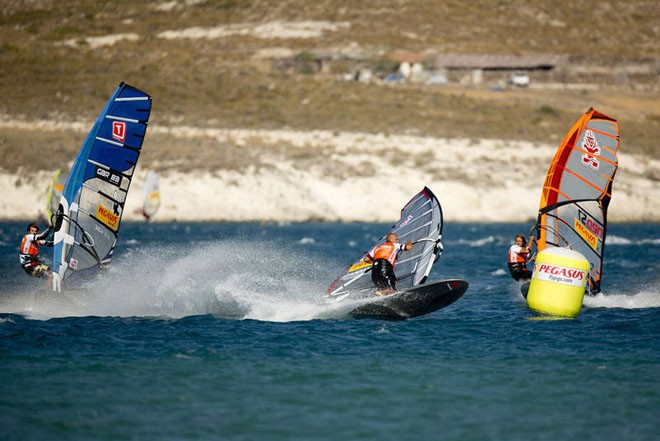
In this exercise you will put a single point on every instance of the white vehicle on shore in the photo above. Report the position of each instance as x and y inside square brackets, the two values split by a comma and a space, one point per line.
[519, 79]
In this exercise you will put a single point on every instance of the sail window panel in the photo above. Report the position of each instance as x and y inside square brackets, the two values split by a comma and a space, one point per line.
[94, 250]
[417, 233]
[81, 259]
[101, 207]
[104, 179]
[94, 241]
[117, 195]
[104, 239]
[584, 234]
[128, 175]
[553, 227]
[356, 283]
[587, 225]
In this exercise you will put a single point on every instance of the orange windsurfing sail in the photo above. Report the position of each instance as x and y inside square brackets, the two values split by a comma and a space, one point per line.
[577, 191]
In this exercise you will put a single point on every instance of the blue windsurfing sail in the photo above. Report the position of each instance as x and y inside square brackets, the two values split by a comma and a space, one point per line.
[92, 203]
[420, 223]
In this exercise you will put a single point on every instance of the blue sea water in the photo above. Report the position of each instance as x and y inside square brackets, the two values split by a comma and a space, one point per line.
[206, 331]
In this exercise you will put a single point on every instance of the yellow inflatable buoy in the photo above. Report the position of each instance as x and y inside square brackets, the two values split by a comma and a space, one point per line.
[557, 285]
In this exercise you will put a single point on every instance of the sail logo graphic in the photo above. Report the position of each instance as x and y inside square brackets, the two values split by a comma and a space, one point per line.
[591, 224]
[107, 217]
[558, 274]
[590, 145]
[405, 222]
[588, 229]
[108, 176]
[119, 131]
[359, 266]
[585, 234]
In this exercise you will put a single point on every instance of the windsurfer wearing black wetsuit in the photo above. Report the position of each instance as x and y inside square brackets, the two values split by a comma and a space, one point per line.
[383, 257]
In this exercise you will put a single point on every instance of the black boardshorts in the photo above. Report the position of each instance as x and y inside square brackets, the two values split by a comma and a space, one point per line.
[382, 274]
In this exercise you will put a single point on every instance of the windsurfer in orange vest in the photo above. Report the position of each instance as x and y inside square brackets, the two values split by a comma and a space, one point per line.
[29, 252]
[518, 256]
[383, 257]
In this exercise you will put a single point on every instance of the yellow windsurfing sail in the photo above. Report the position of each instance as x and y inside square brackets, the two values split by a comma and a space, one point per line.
[55, 192]
[151, 196]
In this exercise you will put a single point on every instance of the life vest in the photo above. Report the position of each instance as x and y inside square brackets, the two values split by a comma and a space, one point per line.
[29, 250]
[388, 251]
[515, 255]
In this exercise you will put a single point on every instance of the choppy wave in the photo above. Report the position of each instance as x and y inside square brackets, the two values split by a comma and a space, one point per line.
[488, 240]
[619, 240]
[646, 298]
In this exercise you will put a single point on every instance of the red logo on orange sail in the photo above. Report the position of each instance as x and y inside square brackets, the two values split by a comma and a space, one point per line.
[119, 131]
[590, 145]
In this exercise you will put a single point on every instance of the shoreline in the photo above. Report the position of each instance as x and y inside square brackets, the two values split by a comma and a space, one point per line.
[347, 177]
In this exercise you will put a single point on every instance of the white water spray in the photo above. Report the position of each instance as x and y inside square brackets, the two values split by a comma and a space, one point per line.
[229, 279]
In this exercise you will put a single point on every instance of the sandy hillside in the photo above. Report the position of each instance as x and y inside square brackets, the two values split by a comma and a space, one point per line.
[348, 177]
[256, 115]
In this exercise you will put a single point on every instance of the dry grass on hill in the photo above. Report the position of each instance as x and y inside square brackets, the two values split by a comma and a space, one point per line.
[219, 83]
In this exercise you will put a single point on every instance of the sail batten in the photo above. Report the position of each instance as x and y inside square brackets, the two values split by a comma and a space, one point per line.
[137, 98]
[108, 141]
[119, 118]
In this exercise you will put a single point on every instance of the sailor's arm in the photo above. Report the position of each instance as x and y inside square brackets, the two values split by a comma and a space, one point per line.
[530, 243]
[44, 235]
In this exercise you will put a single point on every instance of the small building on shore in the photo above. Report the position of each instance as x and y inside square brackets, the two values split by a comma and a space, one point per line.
[475, 69]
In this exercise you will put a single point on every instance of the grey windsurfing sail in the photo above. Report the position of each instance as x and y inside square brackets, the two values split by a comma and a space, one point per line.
[421, 223]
